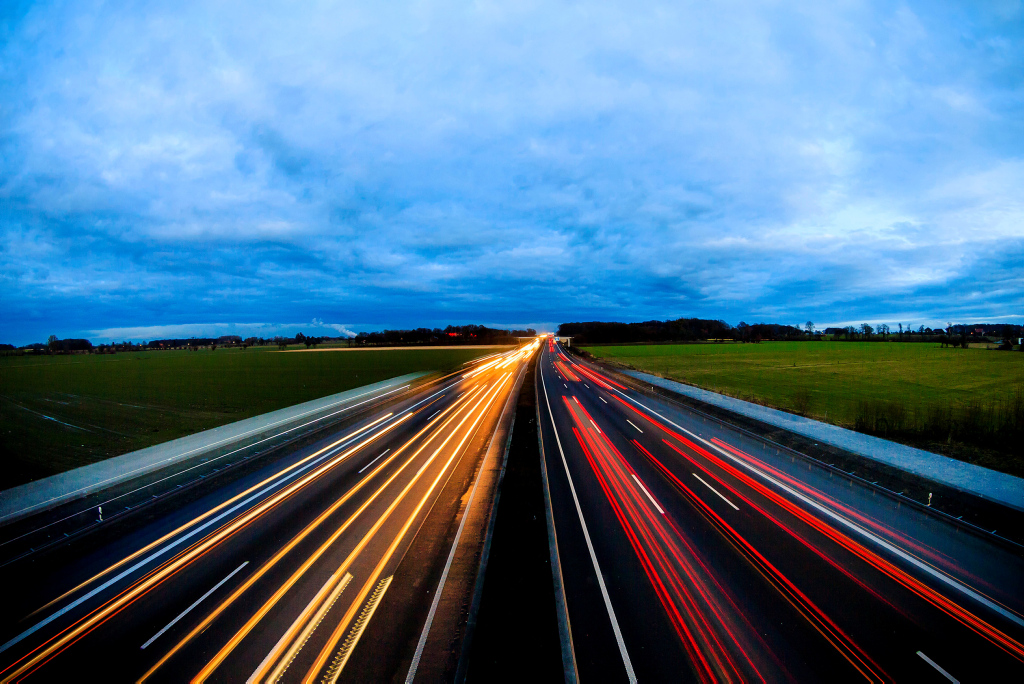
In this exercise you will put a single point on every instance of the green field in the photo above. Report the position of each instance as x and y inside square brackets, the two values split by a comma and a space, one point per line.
[967, 403]
[61, 412]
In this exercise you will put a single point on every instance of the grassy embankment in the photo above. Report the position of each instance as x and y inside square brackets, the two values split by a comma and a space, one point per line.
[965, 403]
[112, 404]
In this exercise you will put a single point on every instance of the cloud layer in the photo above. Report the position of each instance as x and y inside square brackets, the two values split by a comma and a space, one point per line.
[436, 162]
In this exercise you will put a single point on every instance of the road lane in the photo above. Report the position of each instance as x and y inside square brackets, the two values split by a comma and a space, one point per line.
[311, 545]
[763, 566]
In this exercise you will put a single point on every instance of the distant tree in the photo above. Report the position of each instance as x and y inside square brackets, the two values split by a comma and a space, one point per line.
[809, 327]
[52, 342]
[883, 330]
[866, 330]
[1008, 337]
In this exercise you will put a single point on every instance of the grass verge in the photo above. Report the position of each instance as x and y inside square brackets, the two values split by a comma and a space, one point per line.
[964, 403]
[61, 412]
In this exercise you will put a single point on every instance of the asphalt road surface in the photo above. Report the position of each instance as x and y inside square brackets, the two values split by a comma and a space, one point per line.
[279, 575]
[693, 551]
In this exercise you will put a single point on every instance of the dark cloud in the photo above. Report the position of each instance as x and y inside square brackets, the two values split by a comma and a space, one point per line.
[187, 164]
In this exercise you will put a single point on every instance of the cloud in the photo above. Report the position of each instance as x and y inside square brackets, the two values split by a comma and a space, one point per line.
[429, 163]
[185, 330]
[337, 327]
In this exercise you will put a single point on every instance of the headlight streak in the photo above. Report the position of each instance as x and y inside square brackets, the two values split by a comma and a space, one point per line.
[275, 653]
[315, 670]
[302, 535]
[354, 634]
[322, 461]
[691, 600]
[501, 361]
[249, 446]
[294, 470]
[86, 624]
[482, 358]
[311, 622]
[200, 518]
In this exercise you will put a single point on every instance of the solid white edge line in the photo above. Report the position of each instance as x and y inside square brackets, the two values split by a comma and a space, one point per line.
[590, 545]
[648, 494]
[940, 670]
[204, 463]
[715, 491]
[202, 598]
[360, 472]
[941, 576]
[188, 535]
[230, 453]
[182, 455]
[422, 643]
[634, 425]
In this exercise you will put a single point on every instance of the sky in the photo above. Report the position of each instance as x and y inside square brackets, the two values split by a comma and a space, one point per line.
[190, 168]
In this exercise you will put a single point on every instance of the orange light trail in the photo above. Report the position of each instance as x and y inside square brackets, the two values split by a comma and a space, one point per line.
[100, 615]
[314, 671]
[305, 532]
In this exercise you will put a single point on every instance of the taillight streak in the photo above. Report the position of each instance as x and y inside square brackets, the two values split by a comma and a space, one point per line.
[952, 609]
[934, 555]
[566, 372]
[659, 555]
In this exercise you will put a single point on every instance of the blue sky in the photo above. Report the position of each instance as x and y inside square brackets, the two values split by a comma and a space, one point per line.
[189, 168]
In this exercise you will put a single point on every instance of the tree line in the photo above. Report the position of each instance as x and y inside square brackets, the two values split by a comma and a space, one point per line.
[703, 330]
[450, 336]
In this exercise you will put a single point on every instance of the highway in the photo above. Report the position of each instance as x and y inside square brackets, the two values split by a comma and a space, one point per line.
[321, 566]
[692, 551]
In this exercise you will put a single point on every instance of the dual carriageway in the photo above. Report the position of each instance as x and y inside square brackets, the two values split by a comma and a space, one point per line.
[681, 548]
